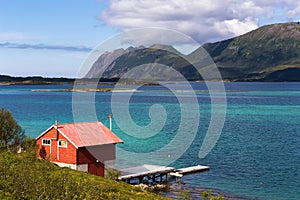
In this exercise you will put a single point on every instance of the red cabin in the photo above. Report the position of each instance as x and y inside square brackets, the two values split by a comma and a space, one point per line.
[84, 146]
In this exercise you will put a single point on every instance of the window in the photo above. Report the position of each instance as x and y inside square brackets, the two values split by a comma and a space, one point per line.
[62, 143]
[46, 142]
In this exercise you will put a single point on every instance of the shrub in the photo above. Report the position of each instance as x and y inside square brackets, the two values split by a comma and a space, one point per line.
[11, 134]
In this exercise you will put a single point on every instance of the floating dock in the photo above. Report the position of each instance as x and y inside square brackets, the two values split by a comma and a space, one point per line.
[193, 169]
[155, 173]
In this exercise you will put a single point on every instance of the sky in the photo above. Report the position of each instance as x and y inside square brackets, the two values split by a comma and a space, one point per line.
[52, 38]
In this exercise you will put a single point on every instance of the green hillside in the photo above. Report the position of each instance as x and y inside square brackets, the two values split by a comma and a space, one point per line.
[271, 52]
[23, 176]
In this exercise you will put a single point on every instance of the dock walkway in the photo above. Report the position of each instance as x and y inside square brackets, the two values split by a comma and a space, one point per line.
[156, 173]
[193, 169]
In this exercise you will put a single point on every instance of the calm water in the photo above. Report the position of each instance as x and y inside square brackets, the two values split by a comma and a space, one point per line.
[257, 155]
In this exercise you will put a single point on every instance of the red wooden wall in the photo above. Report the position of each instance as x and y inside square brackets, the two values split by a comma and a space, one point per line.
[58, 154]
[69, 155]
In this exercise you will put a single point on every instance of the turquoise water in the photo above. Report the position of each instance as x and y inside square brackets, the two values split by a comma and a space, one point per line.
[257, 155]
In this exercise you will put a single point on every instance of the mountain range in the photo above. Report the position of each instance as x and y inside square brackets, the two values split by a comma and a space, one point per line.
[269, 53]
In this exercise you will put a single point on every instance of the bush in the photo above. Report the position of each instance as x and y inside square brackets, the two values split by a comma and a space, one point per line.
[11, 134]
[112, 174]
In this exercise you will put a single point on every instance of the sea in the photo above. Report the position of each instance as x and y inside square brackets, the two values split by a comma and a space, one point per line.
[256, 155]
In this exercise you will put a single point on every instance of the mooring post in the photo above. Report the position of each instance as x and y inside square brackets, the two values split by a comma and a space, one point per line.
[160, 177]
[141, 179]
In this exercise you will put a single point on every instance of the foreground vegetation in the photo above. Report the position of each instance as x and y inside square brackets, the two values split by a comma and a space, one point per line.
[23, 176]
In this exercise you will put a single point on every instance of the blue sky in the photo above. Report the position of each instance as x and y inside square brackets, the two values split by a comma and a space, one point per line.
[53, 37]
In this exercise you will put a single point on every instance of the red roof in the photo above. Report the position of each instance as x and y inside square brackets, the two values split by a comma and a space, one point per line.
[83, 134]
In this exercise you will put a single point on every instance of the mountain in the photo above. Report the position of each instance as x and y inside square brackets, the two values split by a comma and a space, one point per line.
[269, 53]
[116, 63]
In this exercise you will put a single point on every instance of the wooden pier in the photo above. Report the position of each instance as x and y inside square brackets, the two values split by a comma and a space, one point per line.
[193, 169]
[155, 173]
[145, 173]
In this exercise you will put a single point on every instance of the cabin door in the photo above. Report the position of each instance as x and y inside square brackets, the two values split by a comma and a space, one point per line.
[96, 169]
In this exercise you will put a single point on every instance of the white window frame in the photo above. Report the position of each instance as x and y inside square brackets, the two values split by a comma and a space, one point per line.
[66, 142]
[46, 139]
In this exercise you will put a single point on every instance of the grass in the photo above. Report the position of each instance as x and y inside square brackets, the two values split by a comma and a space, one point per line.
[23, 176]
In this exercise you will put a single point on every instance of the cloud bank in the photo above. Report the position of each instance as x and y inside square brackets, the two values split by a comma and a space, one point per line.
[44, 47]
[204, 21]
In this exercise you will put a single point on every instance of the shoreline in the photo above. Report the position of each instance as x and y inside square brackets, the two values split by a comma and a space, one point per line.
[196, 191]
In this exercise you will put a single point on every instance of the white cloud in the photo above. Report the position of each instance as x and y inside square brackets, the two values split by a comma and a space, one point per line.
[143, 36]
[202, 20]
[295, 12]
[236, 27]
[44, 46]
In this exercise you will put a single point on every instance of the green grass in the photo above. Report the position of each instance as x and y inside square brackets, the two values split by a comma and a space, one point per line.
[23, 176]
[5, 195]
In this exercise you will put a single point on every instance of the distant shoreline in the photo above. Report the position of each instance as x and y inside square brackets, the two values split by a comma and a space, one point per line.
[86, 90]
[39, 80]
